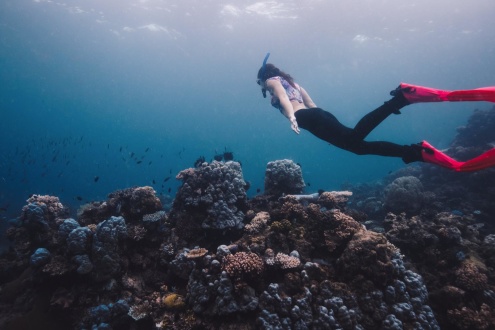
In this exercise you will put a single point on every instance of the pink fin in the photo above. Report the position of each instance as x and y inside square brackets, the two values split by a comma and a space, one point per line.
[483, 161]
[417, 94]
[439, 158]
[479, 94]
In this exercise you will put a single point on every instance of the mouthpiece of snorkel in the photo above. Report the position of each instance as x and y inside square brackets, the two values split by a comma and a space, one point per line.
[263, 69]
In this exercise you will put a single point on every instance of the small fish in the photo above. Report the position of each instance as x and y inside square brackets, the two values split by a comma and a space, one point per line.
[96, 178]
[309, 184]
[79, 198]
[120, 149]
[166, 179]
[258, 190]
[228, 155]
[150, 162]
[169, 189]
[147, 149]
[139, 162]
[154, 182]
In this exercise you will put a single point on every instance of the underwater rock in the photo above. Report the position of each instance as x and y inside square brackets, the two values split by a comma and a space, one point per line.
[283, 177]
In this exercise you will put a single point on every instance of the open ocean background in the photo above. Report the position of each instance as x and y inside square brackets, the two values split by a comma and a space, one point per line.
[97, 96]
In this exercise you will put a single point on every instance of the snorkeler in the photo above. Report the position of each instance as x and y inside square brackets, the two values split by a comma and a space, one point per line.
[295, 103]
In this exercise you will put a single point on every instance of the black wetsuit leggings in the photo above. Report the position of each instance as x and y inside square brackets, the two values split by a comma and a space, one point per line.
[327, 127]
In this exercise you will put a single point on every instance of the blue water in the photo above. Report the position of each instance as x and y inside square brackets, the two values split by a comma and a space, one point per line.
[89, 88]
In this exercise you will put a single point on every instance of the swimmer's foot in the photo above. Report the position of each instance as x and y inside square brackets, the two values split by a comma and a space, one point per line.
[418, 94]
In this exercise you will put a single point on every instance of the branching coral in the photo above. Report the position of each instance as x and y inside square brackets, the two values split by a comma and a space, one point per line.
[287, 262]
[140, 311]
[469, 277]
[258, 223]
[243, 264]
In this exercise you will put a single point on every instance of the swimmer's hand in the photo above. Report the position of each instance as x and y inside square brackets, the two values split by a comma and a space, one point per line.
[294, 126]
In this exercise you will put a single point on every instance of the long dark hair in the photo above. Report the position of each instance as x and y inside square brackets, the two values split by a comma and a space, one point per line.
[272, 71]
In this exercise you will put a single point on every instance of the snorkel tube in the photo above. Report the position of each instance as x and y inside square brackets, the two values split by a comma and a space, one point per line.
[263, 69]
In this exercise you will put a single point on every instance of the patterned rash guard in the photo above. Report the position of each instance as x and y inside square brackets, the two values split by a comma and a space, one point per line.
[294, 94]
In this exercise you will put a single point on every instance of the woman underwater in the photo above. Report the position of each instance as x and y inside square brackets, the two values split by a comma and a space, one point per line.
[295, 103]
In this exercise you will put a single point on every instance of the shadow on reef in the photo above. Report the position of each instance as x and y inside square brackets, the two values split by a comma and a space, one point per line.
[281, 260]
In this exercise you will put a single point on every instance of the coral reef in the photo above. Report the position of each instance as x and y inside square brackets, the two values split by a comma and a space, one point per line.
[413, 251]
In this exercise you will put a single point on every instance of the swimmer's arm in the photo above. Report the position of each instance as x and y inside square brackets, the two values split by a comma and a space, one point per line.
[276, 88]
[308, 102]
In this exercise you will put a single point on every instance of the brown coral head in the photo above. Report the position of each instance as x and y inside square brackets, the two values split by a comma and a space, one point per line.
[174, 301]
[470, 278]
